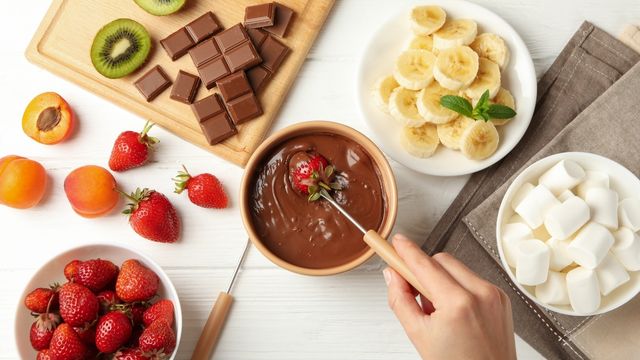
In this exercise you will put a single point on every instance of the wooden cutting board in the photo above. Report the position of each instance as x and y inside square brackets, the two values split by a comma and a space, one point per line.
[63, 41]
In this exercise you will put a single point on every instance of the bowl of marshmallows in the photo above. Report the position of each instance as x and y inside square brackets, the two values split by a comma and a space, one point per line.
[568, 233]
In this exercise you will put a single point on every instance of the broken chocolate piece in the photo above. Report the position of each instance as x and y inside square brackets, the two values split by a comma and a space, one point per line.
[234, 85]
[258, 16]
[177, 44]
[242, 57]
[257, 36]
[153, 83]
[284, 17]
[204, 52]
[185, 87]
[203, 27]
[218, 128]
[207, 108]
[258, 78]
[273, 53]
[244, 108]
[213, 71]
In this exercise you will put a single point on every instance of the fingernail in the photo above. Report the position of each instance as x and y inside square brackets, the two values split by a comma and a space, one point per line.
[387, 276]
[400, 237]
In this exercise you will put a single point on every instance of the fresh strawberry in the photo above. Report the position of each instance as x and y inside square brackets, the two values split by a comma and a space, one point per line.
[71, 270]
[66, 344]
[158, 340]
[96, 274]
[152, 216]
[137, 313]
[113, 331]
[107, 299]
[311, 174]
[87, 334]
[130, 354]
[204, 190]
[38, 300]
[131, 149]
[42, 330]
[78, 305]
[136, 282]
[44, 355]
[163, 309]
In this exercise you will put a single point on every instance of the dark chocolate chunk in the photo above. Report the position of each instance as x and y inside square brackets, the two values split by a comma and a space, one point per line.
[185, 87]
[258, 78]
[177, 44]
[153, 83]
[207, 108]
[231, 37]
[204, 52]
[258, 16]
[242, 57]
[218, 128]
[284, 17]
[203, 27]
[213, 71]
[273, 53]
[234, 86]
[244, 108]
[257, 36]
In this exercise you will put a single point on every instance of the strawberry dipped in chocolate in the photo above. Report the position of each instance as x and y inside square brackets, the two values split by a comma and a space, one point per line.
[312, 175]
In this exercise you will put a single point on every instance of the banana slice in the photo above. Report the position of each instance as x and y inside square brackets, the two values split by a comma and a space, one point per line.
[479, 140]
[403, 108]
[505, 98]
[426, 20]
[414, 69]
[420, 141]
[429, 104]
[488, 78]
[451, 132]
[455, 33]
[492, 47]
[382, 91]
[421, 42]
[456, 68]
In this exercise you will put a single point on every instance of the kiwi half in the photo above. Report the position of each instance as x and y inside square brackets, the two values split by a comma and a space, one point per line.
[161, 7]
[120, 48]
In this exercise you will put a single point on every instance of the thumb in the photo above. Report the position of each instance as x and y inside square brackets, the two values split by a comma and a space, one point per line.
[403, 303]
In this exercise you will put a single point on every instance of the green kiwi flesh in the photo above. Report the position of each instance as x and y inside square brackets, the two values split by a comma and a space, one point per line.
[120, 48]
[161, 7]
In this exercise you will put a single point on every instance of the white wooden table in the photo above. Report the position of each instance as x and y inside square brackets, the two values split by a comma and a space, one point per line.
[277, 315]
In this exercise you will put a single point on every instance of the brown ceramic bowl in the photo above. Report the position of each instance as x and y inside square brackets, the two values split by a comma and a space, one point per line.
[387, 180]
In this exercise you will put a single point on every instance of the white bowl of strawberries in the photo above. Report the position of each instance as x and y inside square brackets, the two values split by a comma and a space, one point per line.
[99, 298]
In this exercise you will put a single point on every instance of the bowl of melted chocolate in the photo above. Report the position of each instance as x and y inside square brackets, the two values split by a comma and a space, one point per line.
[285, 216]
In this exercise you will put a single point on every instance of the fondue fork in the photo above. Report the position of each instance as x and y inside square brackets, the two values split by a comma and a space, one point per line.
[380, 246]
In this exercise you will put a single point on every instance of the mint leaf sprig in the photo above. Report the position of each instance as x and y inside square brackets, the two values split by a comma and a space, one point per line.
[484, 110]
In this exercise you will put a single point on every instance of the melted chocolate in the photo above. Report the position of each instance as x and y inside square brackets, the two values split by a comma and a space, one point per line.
[315, 235]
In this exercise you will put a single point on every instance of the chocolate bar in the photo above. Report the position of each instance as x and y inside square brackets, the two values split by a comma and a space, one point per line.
[203, 27]
[177, 44]
[153, 83]
[214, 120]
[185, 87]
[284, 17]
[258, 16]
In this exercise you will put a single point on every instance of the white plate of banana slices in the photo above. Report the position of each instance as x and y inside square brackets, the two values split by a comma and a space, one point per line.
[446, 47]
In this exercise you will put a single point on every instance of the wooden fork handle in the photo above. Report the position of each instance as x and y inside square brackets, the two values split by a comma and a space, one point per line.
[213, 327]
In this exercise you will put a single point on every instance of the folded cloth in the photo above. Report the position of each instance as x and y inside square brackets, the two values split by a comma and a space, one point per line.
[586, 68]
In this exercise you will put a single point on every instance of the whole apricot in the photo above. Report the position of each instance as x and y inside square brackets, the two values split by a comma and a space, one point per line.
[91, 191]
[22, 182]
[48, 119]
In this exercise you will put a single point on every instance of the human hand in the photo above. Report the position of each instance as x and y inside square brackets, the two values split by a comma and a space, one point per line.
[462, 316]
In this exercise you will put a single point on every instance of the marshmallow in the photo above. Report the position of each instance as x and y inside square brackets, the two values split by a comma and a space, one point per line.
[583, 289]
[521, 194]
[560, 256]
[566, 195]
[590, 245]
[611, 274]
[541, 233]
[629, 212]
[627, 249]
[565, 219]
[592, 179]
[554, 290]
[604, 206]
[562, 176]
[533, 262]
[535, 205]
[515, 218]
[512, 235]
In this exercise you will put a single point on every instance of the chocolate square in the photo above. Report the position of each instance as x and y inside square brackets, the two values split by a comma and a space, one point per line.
[258, 78]
[231, 37]
[261, 15]
[185, 87]
[204, 52]
[244, 108]
[177, 44]
[213, 71]
[203, 27]
[234, 86]
[242, 57]
[208, 107]
[218, 128]
[273, 53]
[284, 17]
[153, 83]
[257, 36]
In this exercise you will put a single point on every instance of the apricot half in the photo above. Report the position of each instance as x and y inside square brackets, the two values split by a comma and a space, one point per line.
[91, 191]
[48, 119]
[22, 182]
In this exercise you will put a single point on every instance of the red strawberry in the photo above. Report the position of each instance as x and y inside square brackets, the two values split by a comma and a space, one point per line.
[137, 313]
[136, 282]
[204, 190]
[71, 270]
[78, 305]
[38, 300]
[130, 354]
[107, 299]
[66, 344]
[152, 216]
[96, 274]
[87, 334]
[131, 149]
[113, 330]
[158, 340]
[163, 309]
[311, 174]
[42, 330]
[44, 355]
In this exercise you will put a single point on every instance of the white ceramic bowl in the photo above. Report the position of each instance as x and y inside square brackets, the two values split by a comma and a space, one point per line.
[52, 272]
[392, 37]
[621, 180]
